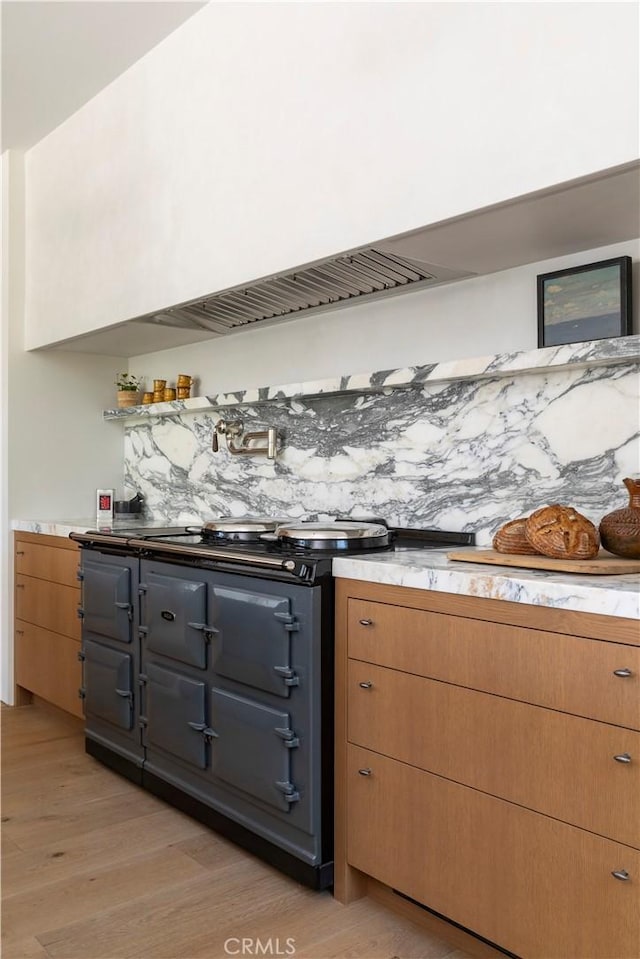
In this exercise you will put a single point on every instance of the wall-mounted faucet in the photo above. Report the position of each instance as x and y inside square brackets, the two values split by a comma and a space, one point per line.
[233, 430]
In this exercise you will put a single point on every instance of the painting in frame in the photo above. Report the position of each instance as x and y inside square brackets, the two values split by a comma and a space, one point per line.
[590, 302]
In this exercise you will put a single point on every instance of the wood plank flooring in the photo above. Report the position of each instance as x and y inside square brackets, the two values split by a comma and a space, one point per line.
[95, 868]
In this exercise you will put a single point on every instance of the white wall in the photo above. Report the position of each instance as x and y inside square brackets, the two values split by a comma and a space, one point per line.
[6, 570]
[55, 448]
[475, 317]
[259, 136]
[59, 449]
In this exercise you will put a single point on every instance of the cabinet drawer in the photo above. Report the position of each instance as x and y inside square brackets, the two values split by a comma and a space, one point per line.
[532, 885]
[49, 605]
[557, 764]
[47, 664]
[48, 562]
[568, 673]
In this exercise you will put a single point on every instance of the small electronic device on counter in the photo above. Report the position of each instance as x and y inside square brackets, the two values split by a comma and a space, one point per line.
[104, 508]
[129, 505]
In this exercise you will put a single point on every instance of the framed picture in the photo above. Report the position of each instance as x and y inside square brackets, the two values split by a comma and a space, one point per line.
[589, 302]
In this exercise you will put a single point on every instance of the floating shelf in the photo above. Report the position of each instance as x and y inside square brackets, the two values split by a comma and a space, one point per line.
[618, 350]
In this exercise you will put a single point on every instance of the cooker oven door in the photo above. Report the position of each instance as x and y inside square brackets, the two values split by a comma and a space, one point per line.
[174, 715]
[251, 640]
[107, 597]
[175, 615]
[252, 748]
[108, 688]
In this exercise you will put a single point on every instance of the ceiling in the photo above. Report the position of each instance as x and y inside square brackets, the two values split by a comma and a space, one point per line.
[56, 56]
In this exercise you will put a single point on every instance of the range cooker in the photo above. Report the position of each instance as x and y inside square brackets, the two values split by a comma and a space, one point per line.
[208, 671]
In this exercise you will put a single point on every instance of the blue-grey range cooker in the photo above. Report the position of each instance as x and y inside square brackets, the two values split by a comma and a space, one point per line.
[208, 672]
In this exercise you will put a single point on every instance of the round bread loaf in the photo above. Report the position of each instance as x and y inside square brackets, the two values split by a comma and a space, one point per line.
[562, 532]
[511, 538]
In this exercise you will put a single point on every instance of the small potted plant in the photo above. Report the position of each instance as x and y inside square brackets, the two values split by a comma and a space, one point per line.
[128, 389]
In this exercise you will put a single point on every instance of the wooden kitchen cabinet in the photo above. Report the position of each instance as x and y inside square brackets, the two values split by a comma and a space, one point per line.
[47, 628]
[476, 769]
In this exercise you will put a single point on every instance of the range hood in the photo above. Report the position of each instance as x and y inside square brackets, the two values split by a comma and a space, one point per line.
[343, 280]
[584, 214]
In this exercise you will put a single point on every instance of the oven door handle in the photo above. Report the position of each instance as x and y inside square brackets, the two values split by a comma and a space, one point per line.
[208, 631]
[206, 731]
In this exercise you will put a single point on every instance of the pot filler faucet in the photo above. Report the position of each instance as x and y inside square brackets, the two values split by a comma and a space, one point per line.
[233, 431]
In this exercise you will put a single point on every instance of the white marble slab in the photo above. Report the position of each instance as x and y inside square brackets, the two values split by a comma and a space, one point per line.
[431, 570]
[62, 527]
[464, 455]
[53, 527]
[621, 349]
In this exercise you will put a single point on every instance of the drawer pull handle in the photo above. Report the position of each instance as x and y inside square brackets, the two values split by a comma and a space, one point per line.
[19, 585]
[620, 874]
[366, 685]
[19, 552]
[622, 673]
[366, 622]
[365, 772]
[623, 758]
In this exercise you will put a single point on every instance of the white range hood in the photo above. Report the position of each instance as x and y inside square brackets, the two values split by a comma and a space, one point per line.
[584, 214]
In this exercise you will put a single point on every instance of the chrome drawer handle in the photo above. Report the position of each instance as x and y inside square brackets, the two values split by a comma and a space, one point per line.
[366, 685]
[622, 673]
[366, 622]
[623, 758]
[365, 772]
[621, 874]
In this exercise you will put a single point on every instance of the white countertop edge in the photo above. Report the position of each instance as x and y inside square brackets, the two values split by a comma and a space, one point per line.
[56, 527]
[431, 570]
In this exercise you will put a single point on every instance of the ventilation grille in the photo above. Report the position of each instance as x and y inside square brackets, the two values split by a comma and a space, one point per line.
[333, 282]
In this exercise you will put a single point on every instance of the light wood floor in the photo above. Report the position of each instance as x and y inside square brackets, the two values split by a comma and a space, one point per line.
[95, 868]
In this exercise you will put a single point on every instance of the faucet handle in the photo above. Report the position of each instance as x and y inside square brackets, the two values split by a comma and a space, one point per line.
[230, 429]
[219, 428]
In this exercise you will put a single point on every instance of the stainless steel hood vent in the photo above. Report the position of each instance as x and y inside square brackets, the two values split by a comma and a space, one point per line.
[340, 281]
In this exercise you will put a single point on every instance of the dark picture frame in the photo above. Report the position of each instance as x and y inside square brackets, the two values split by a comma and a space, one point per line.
[590, 302]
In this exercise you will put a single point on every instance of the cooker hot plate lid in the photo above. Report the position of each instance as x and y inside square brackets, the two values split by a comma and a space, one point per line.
[240, 529]
[244, 524]
[333, 535]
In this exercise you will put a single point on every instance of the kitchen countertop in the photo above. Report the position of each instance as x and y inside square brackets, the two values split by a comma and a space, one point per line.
[430, 569]
[62, 527]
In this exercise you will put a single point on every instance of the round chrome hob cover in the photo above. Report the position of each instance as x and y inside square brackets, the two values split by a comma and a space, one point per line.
[333, 535]
[243, 528]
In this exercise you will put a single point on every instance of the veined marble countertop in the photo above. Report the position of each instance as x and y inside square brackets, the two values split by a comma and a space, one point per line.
[62, 527]
[430, 569]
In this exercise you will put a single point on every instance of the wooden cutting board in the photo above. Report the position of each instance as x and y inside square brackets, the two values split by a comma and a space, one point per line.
[604, 564]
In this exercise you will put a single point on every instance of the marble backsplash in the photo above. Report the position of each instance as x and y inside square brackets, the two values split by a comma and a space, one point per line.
[456, 454]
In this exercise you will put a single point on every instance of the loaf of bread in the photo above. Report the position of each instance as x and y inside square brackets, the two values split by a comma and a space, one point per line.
[562, 532]
[511, 538]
